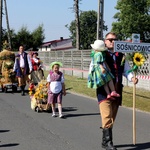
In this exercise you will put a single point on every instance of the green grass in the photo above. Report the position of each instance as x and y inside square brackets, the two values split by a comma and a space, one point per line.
[142, 98]
[79, 85]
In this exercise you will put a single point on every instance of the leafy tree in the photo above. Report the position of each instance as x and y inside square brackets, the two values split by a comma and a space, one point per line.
[88, 25]
[37, 36]
[88, 22]
[88, 29]
[25, 37]
[5, 38]
[133, 17]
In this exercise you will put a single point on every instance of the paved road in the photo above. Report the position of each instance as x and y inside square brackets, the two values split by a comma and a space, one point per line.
[23, 129]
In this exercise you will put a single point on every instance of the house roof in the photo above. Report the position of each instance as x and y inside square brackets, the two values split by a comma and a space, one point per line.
[54, 41]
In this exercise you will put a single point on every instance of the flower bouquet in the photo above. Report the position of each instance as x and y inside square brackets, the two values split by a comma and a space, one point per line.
[41, 92]
[38, 95]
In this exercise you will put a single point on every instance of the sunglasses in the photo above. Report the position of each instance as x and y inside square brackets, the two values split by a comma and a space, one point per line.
[112, 39]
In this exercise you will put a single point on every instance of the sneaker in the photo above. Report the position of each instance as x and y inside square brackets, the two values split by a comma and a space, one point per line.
[53, 115]
[61, 116]
[115, 94]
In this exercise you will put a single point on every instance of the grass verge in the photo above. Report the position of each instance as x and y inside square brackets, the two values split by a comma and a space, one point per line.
[79, 85]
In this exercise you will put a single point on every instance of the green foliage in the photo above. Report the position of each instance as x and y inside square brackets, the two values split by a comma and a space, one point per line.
[133, 17]
[37, 36]
[25, 37]
[88, 28]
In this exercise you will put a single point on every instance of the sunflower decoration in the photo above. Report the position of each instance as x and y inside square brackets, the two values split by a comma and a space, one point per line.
[137, 58]
[41, 92]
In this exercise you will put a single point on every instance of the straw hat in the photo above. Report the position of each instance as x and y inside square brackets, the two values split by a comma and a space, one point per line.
[55, 63]
[99, 45]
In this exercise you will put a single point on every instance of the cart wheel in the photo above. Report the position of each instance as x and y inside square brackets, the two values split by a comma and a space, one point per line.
[37, 109]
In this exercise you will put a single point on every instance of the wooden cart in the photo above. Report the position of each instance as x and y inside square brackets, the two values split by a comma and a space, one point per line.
[39, 105]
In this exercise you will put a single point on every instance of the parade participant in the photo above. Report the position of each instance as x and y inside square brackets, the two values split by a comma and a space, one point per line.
[22, 68]
[30, 53]
[56, 88]
[37, 73]
[109, 107]
[100, 74]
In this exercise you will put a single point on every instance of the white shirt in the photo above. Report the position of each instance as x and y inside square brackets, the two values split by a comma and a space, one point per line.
[55, 86]
[22, 65]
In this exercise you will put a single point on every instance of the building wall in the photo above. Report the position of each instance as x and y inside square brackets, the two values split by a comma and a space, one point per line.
[44, 49]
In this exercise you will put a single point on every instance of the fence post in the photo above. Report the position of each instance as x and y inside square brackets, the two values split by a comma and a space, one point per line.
[82, 63]
[63, 61]
[149, 64]
[72, 62]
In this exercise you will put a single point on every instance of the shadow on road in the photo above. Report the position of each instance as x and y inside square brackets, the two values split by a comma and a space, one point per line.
[66, 109]
[141, 146]
[9, 145]
[1, 131]
[77, 115]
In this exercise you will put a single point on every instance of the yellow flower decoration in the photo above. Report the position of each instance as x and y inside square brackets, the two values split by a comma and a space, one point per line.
[41, 91]
[138, 59]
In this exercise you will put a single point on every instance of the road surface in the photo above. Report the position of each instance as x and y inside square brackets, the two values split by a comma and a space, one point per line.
[23, 129]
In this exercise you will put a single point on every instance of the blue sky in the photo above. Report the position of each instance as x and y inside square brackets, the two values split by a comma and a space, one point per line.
[53, 14]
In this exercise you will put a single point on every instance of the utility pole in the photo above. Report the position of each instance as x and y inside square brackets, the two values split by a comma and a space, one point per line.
[100, 20]
[7, 22]
[1, 6]
[77, 22]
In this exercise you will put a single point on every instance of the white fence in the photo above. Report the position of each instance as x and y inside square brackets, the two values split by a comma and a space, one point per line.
[76, 63]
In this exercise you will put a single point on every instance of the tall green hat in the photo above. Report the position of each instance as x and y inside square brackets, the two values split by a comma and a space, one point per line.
[55, 63]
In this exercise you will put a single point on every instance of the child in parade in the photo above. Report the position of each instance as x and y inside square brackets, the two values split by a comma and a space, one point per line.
[56, 88]
[99, 72]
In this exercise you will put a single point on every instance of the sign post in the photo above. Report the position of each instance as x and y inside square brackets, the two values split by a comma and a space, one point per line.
[128, 47]
[135, 39]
